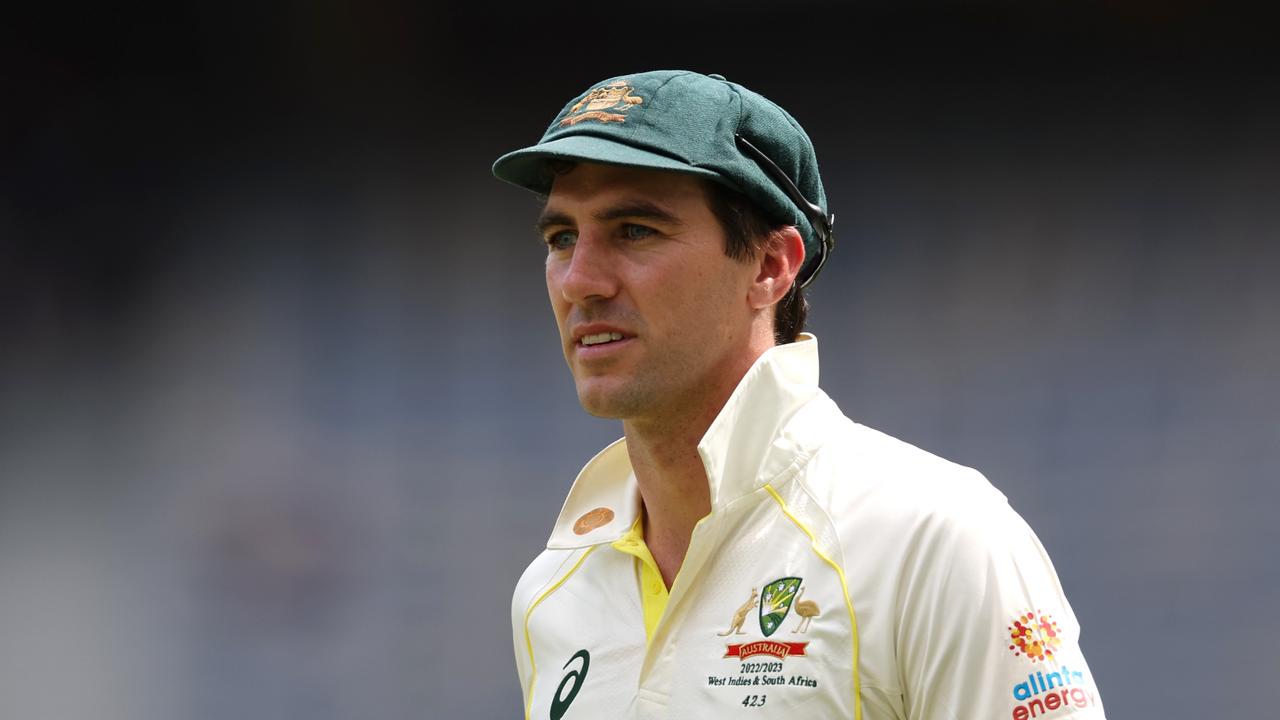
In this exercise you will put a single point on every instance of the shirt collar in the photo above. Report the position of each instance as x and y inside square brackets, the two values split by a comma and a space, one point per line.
[748, 444]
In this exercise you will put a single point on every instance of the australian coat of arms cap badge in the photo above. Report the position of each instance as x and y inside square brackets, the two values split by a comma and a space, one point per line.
[607, 103]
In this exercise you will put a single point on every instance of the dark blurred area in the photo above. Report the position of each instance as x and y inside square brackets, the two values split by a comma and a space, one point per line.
[282, 410]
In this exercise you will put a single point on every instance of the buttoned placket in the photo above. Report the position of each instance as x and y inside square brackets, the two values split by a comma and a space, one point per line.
[654, 672]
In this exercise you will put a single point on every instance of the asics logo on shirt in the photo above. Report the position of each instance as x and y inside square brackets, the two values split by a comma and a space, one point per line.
[561, 702]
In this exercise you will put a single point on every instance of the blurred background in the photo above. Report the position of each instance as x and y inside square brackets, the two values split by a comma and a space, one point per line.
[283, 414]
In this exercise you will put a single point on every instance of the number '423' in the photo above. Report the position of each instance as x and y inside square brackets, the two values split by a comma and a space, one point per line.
[753, 701]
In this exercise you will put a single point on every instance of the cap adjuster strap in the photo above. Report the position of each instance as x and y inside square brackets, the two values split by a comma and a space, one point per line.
[822, 222]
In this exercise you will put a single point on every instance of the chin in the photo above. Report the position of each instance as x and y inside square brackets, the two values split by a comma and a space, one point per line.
[613, 403]
[599, 407]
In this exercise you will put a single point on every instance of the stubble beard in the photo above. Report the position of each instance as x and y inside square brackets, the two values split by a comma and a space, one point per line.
[618, 398]
[657, 391]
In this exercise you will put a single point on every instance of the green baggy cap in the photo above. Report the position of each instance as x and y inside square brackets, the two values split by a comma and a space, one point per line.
[692, 123]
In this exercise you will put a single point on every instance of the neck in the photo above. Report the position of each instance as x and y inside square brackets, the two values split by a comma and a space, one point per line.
[673, 485]
[672, 480]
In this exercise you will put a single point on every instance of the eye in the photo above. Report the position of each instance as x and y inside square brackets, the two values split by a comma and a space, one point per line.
[636, 232]
[561, 239]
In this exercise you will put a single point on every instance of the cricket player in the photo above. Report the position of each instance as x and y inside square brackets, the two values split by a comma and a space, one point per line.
[747, 550]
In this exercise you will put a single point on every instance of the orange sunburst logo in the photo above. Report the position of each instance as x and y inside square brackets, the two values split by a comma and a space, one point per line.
[1034, 634]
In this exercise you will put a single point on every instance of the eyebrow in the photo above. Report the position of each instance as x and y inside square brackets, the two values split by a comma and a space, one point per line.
[640, 209]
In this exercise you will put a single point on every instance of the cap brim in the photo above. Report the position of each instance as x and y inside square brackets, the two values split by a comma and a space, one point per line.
[528, 169]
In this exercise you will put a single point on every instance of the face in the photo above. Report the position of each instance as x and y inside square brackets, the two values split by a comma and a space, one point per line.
[654, 318]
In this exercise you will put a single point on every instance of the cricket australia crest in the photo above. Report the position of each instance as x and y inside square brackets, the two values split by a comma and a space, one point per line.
[607, 104]
[764, 663]
[775, 603]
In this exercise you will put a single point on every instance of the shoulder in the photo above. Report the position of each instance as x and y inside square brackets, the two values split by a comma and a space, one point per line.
[858, 466]
[916, 507]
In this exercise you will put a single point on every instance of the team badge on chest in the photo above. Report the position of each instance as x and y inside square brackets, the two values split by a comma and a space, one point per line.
[775, 603]
[772, 605]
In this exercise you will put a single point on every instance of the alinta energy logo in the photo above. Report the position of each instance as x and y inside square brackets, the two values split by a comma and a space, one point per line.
[1035, 635]
[1043, 693]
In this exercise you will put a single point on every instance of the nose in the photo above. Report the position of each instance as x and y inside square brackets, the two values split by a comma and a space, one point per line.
[590, 271]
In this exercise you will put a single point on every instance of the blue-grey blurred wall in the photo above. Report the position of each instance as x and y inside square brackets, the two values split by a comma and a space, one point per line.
[282, 409]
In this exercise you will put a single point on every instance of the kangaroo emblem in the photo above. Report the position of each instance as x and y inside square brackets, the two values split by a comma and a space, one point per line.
[740, 615]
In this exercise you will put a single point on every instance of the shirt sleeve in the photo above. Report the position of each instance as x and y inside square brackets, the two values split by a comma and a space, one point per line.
[535, 581]
[984, 628]
[532, 582]
[524, 668]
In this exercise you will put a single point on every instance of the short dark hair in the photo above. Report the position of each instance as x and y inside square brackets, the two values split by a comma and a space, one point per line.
[747, 232]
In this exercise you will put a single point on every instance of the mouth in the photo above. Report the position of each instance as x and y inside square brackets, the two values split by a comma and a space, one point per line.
[603, 338]
[600, 342]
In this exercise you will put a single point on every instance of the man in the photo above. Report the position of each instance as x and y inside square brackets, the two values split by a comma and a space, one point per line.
[746, 550]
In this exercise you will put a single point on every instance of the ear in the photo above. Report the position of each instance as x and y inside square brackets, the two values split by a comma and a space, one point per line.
[777, 267]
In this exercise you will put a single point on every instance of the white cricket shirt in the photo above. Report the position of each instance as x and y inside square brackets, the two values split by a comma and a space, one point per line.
[840, 574]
